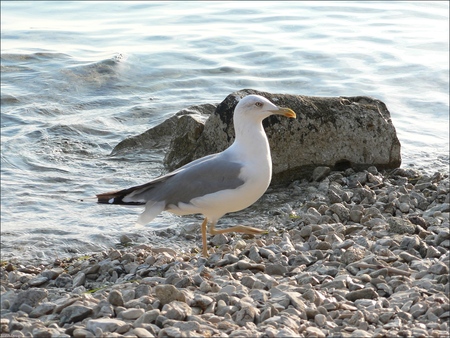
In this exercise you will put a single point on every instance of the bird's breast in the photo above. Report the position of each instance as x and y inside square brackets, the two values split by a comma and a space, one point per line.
[215, 205]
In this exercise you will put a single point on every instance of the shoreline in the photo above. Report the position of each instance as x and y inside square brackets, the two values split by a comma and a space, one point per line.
[351, 254]
[153, 236]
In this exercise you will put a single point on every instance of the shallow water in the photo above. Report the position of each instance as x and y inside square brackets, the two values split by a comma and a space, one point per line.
[79, 77]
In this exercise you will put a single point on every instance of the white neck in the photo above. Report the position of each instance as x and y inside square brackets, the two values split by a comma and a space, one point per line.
[251, 143]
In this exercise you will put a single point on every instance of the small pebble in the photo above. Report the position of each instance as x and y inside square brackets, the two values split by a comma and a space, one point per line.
[354, 254]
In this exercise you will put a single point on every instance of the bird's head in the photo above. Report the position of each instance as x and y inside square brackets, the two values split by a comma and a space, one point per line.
[258, 108]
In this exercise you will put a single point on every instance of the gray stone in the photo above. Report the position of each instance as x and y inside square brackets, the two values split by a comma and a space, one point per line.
[63, 281]
[128, 294]
[105, 324]
[147, 318]
[334, 197]
[39, 280]
[75, 313]
[142, 333]
[260, 296]
[313, 331]
[228, 289]
[188, 122]
[114, 254]
[352, 255]
[418, 309]
[276, 269]
[373, 170]
[31, 297]
[43, 332]
[360, 294]
[358, 179]
[407, 257]
[115, 298]
[410, 242]
[223, 309]
[361, 334]
[218, 240]
[246, 314]
[53, 273]
[319, 173]
[25, 308]
[64, 302]
[79, 279]
[355, 215]
[132, 313]
[286, 245]
[269, 254]
[171, 332]
[285, 298]
[104, 309]
[42, 309]
[439, 268]
[185, 326]
[320, 319]
[340, 210]
[82, 333]
[355, 131]
[404, 207]
[4, 325]
[201, 301]
[142, 290]
[254, 254]
[401, 226]
[167, 293]
[177, 310]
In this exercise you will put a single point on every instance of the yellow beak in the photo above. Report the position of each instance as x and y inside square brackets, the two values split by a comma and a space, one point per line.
[285, 112]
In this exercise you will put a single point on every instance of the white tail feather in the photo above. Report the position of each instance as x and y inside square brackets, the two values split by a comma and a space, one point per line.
[152, 209]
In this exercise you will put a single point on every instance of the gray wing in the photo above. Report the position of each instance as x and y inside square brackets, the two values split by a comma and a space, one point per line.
[204, 176]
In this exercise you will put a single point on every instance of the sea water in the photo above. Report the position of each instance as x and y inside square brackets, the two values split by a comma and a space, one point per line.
[79, 77]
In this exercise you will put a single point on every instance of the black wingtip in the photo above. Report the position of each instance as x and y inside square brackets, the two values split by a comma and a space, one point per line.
[108, 198]
[114, 198]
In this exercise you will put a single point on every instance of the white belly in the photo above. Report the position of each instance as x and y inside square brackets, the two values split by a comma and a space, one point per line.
[215, 205]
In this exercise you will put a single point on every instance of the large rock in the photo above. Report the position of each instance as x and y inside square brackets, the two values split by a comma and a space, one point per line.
[31, 297]
[337, 132]
[186, 125]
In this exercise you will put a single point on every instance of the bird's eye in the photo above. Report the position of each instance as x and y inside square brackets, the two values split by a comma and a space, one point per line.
[258, 104]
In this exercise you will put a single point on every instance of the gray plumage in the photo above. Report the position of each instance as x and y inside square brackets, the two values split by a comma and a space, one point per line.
[204, 176]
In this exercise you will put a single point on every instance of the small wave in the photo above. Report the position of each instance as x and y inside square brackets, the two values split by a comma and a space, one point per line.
[106, 66]
[39, 56]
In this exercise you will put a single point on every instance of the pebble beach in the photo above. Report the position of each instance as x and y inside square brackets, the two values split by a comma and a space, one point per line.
[350, 254]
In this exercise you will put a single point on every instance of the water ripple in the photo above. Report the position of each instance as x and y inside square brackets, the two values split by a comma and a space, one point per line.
[70, 95]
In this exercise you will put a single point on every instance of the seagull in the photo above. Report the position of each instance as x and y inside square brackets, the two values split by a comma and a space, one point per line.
[216, 184]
